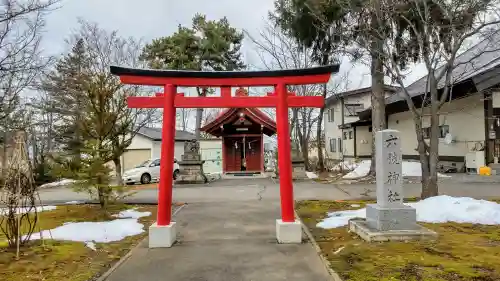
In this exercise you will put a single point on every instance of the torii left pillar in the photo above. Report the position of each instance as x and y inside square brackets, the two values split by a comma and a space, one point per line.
[163, 232]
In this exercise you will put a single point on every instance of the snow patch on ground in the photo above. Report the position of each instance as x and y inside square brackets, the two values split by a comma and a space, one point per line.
[311, 175]
[72, 202]
[63, 182]
[100, 232]
[90, 233]
[91, 245]
[132, 214]
[438, 209]
[410, 169]
[4, 211]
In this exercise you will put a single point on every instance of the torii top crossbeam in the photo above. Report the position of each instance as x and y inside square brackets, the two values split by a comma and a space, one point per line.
[187, 78]
[225, 80]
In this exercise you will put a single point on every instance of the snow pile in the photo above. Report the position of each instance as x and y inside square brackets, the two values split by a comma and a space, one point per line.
[311, 175]
[90, 233]
[4, 211]
[438, 209]
[63, 182]
[410, 169]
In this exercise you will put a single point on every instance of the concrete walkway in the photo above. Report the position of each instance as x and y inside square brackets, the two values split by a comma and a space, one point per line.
[229, 241]
[266, 189]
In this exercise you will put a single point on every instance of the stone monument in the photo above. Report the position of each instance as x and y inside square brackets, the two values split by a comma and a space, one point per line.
[191, 165]
[298, 163]
[389, 219]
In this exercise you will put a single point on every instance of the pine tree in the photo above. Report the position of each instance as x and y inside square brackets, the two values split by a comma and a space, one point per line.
[65, 88]
[207, 45]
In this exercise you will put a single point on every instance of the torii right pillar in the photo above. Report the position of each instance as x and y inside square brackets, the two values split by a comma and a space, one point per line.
[288, 229]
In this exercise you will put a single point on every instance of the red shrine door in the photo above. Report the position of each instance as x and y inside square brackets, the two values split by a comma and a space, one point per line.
[243, 154]
[233, 152]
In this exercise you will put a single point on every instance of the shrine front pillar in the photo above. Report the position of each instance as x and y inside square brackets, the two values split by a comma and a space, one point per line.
[288, 230]
[162, 234]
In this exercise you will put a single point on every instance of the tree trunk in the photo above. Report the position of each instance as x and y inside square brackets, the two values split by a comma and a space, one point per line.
[305, 142]
[303, 146]
[118, 171]
[429, 182]
[321, 161]
[102, 196]
[184, 119]
[293, 122]
[377, 74]
[199, 114]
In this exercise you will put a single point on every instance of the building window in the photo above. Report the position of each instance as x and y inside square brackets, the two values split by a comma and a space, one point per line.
[331, 114]
[443, 131]
[339, 142]
[351, 133]
[333, 145]
[352, 109]
[345, 135]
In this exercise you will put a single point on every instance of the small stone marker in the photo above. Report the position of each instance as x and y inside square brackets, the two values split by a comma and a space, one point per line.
[389, 219]
[390, 213]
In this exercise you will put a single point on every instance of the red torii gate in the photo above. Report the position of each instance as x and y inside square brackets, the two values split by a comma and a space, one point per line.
[162, 234]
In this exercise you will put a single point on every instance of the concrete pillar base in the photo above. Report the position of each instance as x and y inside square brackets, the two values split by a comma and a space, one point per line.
[163, 236]
[289, 232]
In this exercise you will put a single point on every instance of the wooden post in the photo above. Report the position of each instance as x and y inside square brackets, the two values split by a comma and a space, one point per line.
[167, 157]
[284, 158]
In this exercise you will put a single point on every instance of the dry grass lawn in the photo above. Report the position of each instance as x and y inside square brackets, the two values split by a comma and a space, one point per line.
[462, 252]
[62, 260]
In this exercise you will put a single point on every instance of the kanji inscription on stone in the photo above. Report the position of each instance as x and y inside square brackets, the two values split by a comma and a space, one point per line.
[389, 168]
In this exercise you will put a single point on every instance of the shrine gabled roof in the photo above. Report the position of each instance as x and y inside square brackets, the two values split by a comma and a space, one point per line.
[225, 117]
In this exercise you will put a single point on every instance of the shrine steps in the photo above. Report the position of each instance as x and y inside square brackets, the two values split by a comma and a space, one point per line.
[244, 175]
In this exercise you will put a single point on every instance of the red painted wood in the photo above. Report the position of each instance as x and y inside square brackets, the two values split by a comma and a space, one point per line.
[225, 91]
[224, 160]
[167, 158]
[280, 99]
[284, 159]
[223, 102]
[217, 82]
[253, 154]
[262, 153]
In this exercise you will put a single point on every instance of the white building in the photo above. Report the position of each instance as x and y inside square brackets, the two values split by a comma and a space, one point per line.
[469, 120]
[341, 139]
[146, 145]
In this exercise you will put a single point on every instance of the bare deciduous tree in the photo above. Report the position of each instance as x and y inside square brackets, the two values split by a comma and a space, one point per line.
[21, 61]
[277, 50]
[108, 48]
[433, 32]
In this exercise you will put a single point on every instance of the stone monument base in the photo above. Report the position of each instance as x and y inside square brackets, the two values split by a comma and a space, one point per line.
[370, 234]
[299, 170]
[289, 232]
[400, 217]
[162, 236]
[191, 173]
